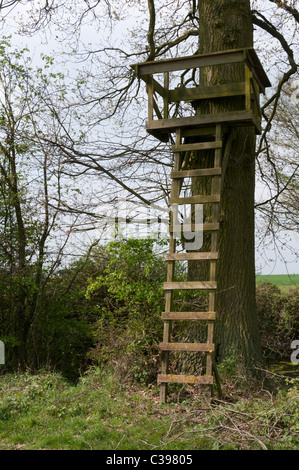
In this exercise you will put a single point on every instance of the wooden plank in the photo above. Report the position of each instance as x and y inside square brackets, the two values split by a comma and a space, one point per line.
[157, 87]
[248, 77]
[175, 190]
[185, 379]
[191, 256]
[197, 146]
[188, 315]
[207, 227]
[238, 118]
[150, 104]
[256, 119]
[258, 69]
[189, 62]
[195, 173]
[214, 246]
[256, 92]
[199, 131]
[195, 199]
[187, 285]
[195, 347]
[162, 135]
[206, 92]
[166, 96]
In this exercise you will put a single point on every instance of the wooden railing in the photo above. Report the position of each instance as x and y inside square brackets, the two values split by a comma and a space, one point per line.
[255, 81]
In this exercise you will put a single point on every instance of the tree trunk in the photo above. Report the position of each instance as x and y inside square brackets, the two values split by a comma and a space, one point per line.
[227, 25]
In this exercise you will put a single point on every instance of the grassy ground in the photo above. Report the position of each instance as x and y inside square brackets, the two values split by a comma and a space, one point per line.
[45, 412]
[279, 279]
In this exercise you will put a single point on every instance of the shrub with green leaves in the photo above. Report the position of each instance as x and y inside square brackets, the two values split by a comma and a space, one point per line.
[129, 325]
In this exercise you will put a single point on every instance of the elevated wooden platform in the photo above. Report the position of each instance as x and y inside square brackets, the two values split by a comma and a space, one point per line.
[162, 128]
[166, 115]
[160, 124]
[144, 70]
[205, 349]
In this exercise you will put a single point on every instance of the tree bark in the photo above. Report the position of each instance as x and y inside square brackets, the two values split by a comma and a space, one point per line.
[227, 25]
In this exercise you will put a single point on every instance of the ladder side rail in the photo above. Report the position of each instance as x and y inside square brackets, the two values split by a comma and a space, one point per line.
[215, 190]
[175, 190]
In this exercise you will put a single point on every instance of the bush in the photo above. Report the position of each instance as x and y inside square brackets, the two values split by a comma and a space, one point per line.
[129, 327]
[278, 319]
[58, 331]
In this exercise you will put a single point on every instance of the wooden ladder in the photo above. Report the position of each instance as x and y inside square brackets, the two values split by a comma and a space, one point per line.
[168, 316]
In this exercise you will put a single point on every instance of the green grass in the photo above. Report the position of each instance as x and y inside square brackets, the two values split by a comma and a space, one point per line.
[279, 279]
[44, 411]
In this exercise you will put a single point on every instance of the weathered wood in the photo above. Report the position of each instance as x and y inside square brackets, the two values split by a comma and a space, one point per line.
[144, 69]
[157, 87]
[257, 68]
[199, 132]
[195, 199]
[195, 173]
[206, 92]
[248, 77]
[236, 118]
[195, 347]
[185, 379]
[191, 256]
[162, 135]
[207, 227]
[188, 316]
[256, 92]
[166, 96]
[197, 146]
[150, 104]
[255, 81]
[175, 190]
[214, 245]
[189, 62]
[187, 285]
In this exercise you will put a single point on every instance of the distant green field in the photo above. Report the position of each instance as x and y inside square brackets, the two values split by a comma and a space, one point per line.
[279, 279]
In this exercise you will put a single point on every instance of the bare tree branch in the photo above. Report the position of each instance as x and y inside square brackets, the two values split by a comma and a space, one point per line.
[286, 7]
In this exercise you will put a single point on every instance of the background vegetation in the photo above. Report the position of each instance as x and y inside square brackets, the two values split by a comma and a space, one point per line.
[106, 310]
[93, 355]
[81, 337]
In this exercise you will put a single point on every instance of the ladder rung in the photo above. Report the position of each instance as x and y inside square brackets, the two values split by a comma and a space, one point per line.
[199, 172]
[197, 285]
[200, 131]
[185, 379]
[188, 315]
[191, 256]
[208, 227]
[194, 199]
[202, 347]
[197, 146]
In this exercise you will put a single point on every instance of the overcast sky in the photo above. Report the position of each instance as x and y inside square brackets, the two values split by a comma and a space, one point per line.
[268, 259]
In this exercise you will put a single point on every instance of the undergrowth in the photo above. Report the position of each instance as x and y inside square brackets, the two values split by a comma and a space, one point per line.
[44, 411]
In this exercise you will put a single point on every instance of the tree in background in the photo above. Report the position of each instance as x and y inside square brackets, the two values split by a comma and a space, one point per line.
[33, 231]
[109, 102]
